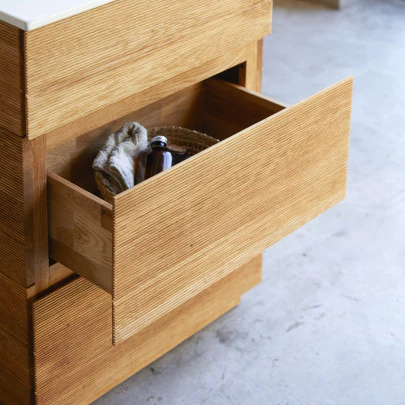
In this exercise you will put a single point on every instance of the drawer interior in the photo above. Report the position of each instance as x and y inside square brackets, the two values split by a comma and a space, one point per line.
[214, 107]
[81, 223]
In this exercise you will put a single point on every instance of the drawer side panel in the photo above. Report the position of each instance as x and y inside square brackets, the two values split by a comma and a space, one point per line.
[12, 112]
[80, 233]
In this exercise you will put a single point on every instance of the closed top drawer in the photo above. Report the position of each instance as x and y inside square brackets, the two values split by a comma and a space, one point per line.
[88, 62]
[169, 238]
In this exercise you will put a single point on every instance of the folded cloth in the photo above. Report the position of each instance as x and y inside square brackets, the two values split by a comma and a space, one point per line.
[115, 161]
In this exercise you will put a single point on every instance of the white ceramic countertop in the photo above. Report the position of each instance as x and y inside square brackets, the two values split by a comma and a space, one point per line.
[31, 14]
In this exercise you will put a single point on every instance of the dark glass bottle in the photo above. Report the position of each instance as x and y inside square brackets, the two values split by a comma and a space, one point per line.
[159, 159]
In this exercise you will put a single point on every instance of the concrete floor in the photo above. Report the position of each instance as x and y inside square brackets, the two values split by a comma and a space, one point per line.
[327, 326]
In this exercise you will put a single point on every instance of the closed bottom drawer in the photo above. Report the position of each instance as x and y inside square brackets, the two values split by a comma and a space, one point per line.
[75, 362]
[169, 238]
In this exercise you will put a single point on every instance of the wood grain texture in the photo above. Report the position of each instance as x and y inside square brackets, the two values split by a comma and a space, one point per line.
[35, 213]
[57, 274]
[76, 67]
[81, 239]
[24, 256]
[83, 242]
[15, 377]
[295, 162]
[23, 228]
[12, 107]
[77, 231]
[111, 117]
[250, 74]
[75, 361]
[13, 262]
[73, 158]
[13, 317]
[189, 236]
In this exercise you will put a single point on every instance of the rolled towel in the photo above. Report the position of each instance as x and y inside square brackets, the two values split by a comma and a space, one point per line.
[116, 158]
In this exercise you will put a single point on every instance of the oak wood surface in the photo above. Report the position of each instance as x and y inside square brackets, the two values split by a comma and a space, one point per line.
[75, 361]
[295, 162]
[80, 238]
[78, 235]
[13, 262]
[35, 213]
[222, 214]
[77, 66]
[24, 257]
[13, 310]
[12, 107]
[23, 227]
[15, 371]
[213, 226]
[73, 158]
[250, 75]
[111, 117]
[57, 274]
[15, 377]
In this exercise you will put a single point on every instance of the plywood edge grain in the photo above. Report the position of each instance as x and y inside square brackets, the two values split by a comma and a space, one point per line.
[35, 212]
[76, 69]
[77, 316]
[12, 82]
[298, 155]
[141, 99]
[13, 310]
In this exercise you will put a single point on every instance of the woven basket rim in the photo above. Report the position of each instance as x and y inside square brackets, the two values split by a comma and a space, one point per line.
[191, 137]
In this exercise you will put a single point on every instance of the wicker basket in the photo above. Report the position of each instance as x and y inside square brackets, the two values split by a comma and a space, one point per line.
[105, 192]
[192, 140]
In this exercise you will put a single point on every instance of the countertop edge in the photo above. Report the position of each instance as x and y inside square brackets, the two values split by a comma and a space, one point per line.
[29, 25]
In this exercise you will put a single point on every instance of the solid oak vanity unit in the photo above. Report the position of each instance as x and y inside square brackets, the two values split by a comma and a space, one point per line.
[91, 292]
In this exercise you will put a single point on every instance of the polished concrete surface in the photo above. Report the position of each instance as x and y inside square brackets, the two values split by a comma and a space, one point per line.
[327, 326]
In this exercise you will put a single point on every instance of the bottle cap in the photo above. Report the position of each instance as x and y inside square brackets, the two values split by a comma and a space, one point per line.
[159, 138]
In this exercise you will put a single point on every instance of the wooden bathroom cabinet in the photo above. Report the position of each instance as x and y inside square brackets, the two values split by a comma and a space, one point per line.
[92, 292]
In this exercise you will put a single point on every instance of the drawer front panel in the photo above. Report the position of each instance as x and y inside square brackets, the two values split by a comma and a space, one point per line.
[97, 58]
[185, 229]
[75, 362]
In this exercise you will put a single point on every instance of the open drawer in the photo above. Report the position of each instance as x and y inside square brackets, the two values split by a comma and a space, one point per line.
[167, 239]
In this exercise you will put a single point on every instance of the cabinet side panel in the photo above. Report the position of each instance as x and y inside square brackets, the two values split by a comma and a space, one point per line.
[23, 217]
[15, 380]
[11, 79]
[23, 258]
[12, 232]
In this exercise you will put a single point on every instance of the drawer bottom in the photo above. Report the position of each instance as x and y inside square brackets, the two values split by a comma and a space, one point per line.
[75, 361]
